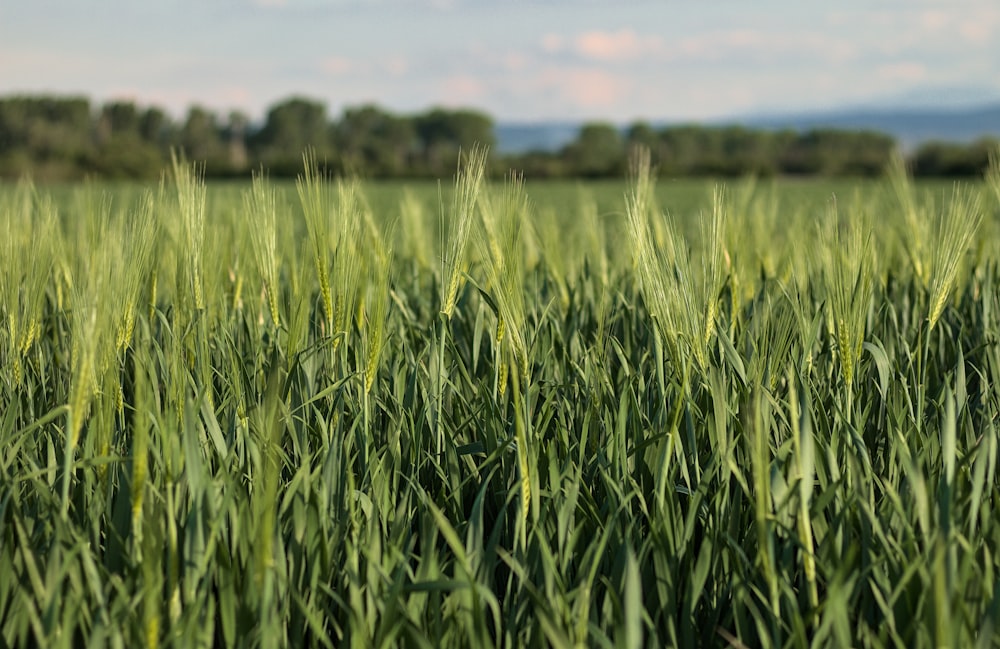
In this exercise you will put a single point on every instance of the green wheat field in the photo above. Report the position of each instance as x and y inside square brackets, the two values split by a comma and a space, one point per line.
[488, 413]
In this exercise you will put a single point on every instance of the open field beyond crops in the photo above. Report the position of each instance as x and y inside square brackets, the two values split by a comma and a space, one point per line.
[500, 414]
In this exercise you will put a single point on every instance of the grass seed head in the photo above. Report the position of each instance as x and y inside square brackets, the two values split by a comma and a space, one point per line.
[460, 226]
[314, 195]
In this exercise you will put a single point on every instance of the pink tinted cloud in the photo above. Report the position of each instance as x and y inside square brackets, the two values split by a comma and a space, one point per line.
[337, 65]
[627, 45]
[595, 88]
[721, 45]
[462, 89]
[516, 61]
[980, 29]
[604, 46]
[396, 66]
[553, 43]
[621, 45]
[585, 89]
[978, 33]
[902, 71]
[890, 33]
[934, 20]
[342, 66]
[234, 95]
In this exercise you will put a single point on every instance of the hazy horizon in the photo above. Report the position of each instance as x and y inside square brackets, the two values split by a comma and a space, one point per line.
[519, 62]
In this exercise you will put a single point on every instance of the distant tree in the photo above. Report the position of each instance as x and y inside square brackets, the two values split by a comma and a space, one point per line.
[801, 156]
[713, 154]
[235, 135]
[837, 153]
[48, 137]
[122, 150]
[745, 151]
[61, 138]
[156, 128]
[535, 164]
[680, 148]
[291, 127]
[118, 119]
[598, 151]
[442, 133]
[201, 140]
[641, 135]
[374, 142]
[870, 152]
[953, 160]
[127, 156]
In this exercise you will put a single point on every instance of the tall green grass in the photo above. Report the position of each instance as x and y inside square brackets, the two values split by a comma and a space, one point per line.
[272, 416]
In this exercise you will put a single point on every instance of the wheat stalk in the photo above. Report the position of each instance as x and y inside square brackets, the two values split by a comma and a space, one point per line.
[459, 227]
[313, 190]
[261, 208]
[956, 232]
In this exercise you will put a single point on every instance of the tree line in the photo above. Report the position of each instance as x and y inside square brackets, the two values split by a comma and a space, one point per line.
[62, 138]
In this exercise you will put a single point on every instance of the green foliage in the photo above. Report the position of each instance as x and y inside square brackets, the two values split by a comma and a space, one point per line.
[292, 126]
[597, 152]
[53, 138]
[244, 420]
[952, 159]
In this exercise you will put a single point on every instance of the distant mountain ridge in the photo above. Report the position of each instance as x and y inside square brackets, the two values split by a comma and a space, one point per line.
[911, 127]
[521, 137]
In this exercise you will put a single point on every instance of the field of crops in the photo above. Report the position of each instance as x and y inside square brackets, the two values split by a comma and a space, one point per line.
[494, 414]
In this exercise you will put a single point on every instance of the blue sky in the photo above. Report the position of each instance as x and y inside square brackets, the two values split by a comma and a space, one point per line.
[517, 60]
